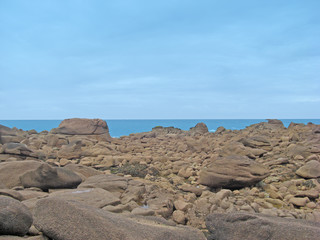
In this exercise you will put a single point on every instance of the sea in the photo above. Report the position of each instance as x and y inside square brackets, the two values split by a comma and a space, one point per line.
[118, 128]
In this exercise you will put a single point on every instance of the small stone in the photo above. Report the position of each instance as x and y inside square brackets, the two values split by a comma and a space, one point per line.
[181, 205]
[223, 193]
[179, 217]
[142, 211]
[311, 205]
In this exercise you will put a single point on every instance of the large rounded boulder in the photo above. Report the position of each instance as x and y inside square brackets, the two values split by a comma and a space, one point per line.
[233, 172]
[15, 218]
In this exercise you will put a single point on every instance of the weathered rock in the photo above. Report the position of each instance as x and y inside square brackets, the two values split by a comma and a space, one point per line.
[309, 170]
[179, 217]
[46, 177]
[142, 211]
[95, 197]
[11, 193]
[60, 220]
[200, 128]
[82, 126]
[17, 149]
[239, 225]
[71, 151]
[10, 172]
[276, 122]
[233, 172]
[299, 202]
[15, 218]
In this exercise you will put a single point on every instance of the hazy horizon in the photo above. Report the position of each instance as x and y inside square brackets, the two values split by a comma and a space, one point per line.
[159, 60]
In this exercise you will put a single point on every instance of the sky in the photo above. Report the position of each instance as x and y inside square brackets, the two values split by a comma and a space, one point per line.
[168, 59]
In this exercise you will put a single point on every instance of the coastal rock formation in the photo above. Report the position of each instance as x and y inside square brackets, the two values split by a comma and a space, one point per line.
[235, 226]
[172, 175]
[15, 218]
[233, 172]
[200, 128]
[82, 126]
[59, 219]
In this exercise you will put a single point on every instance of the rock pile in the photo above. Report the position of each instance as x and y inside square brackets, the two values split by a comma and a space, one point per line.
[148, 185]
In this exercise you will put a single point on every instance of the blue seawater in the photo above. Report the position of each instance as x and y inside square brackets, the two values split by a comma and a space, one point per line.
[125, 127]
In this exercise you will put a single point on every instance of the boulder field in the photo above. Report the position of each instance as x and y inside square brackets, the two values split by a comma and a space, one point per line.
[76, 182]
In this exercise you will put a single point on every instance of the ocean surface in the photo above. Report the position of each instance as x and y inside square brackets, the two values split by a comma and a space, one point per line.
[119, 128]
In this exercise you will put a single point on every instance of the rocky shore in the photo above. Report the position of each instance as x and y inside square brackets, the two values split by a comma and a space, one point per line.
[77, 182]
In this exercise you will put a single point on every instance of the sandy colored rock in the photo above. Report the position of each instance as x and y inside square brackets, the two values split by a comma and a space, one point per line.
[310, 170]
[233, 172]
[45, 177]
[11, 193]
[179, 217]
[82, 126]
[10, 172]
[109, 182]
[95, 197]
[83, 171]
[300, 202]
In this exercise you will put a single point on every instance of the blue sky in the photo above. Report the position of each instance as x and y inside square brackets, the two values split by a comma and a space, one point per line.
[169, 59]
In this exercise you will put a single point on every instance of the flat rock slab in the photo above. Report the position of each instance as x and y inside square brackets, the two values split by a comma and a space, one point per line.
[95, 197]
[60, 220]
[249, 226]
[15, 218]
[46, 177]
[109, 182]
[233, 172]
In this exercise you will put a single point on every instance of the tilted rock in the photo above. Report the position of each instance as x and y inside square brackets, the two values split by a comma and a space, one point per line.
[82, 126]
[233, 172]
[310, 170]
[15, 218]
[17, 149]
[46, 177]
[249, 226]
[62, 220]
[95, 197]
[10, 172]
[8, 135]
[83, 171]
[11, 193]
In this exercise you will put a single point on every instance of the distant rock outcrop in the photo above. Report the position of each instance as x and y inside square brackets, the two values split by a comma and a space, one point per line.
[200, 128]
[82, 126]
